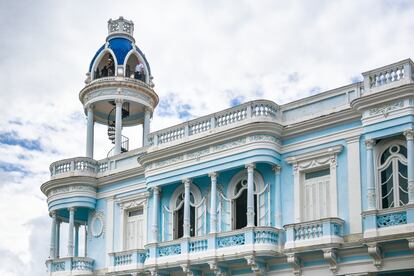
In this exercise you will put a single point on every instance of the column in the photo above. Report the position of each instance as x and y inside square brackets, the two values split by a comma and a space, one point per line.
[250, 195]
[76, 240]
[186, 224]
[156, 202]
[90, 133]
[369, 143]
[58, 222]
[70, 232]
[118, 125]
[53, 236]
[213, 203]
[86, 241]
[146, 127]
[409, 135]
[278, 197]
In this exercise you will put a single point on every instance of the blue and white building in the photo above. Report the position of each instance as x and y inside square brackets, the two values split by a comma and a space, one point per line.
[320, 186]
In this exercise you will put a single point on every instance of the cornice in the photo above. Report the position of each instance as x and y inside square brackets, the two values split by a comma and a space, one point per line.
[73, 180]
[121, 175]
[371, 99]
[315, 154]
[156, 154]
[119, 82]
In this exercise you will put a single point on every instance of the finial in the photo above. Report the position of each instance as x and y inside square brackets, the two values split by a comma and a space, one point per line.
[121, 27]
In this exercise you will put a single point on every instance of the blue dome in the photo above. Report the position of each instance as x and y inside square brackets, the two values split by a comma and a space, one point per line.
[121, 47]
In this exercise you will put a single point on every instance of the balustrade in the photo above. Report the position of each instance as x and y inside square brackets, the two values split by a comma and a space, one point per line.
[72, 265]
[396, 72]
[322, 231]
[255, 110]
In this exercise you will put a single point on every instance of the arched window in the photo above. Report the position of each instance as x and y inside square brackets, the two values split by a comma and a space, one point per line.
[135, 67]
[105, 67]
[237, 192]
[392, 174]
[179, 216]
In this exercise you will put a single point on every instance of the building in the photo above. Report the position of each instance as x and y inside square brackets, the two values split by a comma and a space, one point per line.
[320, 186]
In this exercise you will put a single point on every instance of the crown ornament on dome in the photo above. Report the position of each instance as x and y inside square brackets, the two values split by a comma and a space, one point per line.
[120, 28]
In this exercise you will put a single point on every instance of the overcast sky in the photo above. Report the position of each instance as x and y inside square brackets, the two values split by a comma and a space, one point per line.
[205, 56]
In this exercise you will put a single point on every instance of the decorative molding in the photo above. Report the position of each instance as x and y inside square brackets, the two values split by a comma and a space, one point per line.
[386, 109]
[97, 231]
[210, 150]
[331, 256]
[409, 134]
[71, 188]
[369, 143]
[257, 267]
[374, 250]
[295, 262]
[315, 158]
[218, 269]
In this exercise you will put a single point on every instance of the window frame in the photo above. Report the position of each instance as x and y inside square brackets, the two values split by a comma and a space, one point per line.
[379, 149]
[314, 161]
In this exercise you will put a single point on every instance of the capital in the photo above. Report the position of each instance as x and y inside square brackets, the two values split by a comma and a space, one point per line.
[90, 107]
[213, 175]
[156, 190]
[277, 169]
[250, 167]
[369, 143]
[119, 100]
[186, 182]
[409, 134]
[71, 209]
[53, 214]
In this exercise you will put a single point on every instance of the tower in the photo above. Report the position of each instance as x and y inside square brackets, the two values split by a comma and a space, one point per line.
[119, 89]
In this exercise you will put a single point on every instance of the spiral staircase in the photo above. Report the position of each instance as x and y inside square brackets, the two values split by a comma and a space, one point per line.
[111, 128]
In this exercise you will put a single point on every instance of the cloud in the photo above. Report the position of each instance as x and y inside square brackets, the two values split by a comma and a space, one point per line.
[205, 56]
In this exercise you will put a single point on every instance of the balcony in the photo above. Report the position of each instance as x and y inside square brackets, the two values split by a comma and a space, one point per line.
[70, 266]
[257, 241]
[255, 111]
[127, 260]
[389, 223]
[327, 231]
[389, 76]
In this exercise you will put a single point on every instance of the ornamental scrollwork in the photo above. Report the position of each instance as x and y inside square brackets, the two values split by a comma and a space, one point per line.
[97, 224]
[386, 109]
[391, 219]
[234, 240]
[174, 249]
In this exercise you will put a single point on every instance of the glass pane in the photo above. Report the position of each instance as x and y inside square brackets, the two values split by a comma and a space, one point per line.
[315, 174]
[180, 222]
[387, 193]
[192, 221]
[385, 155]
[403, 151]
[241, 210]
[403, 183]
[135, 212]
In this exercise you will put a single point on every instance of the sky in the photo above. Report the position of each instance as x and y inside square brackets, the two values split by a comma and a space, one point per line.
[205, 56]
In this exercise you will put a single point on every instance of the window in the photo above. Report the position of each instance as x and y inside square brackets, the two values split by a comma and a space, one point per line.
[315, 194]
[315, 184]
[105, 67]
[179, 216]
[237, 191]
[135, 229]
[392, 174]
[173, 214]
[240, 205]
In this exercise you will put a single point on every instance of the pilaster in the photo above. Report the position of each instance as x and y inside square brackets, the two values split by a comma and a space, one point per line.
[250, 195]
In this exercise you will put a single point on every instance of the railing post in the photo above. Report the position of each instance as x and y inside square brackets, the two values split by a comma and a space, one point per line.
[72, 165]
[213, 122]
[408, 72]
[155, 140]
[186, 130]
[249, 110]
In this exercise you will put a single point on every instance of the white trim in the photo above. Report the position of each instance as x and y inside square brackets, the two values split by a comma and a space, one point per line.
[110, 226]
[320, 159]
[141, 59]
[354, 185]
[98, 60]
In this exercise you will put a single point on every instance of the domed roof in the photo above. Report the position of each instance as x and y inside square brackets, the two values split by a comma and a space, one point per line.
[120, 46]
[120, 41]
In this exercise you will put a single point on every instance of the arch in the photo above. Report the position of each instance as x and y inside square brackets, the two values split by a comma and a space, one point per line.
[100, 59]
[177, 208]
[391, 173]
[237, 192]
[134, 53]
